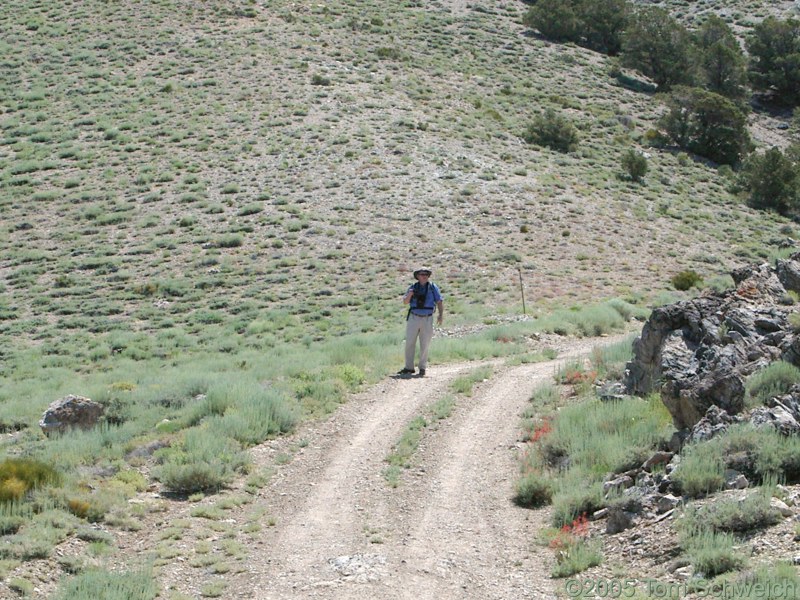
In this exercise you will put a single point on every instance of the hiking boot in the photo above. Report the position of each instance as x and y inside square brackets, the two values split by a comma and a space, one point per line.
[422, 372]
[405, 372]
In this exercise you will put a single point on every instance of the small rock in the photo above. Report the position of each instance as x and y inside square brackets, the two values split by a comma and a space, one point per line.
[781, 507]
[678, 563]
[611, 391]
[666, 503]
[618, 520]
[659, 458]
[735, 480]
[618, 484]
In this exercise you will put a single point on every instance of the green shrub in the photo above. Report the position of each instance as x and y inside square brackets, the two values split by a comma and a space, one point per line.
[545, 395]
[576, 556]
[317, 79]
[599, 320]
[775, 379]
[533, 490]
[19, 475]
[98, 583]
[204, 462]
[732, 514]
[552, 131]
[602, 437]
[352, 376]
[23, 587]
[576, 493]
[686, 280]
[406, 446]
[464, 383]
[25, 547]
[251, 209]
[610, 361]
[232, 240]
[712, 554]
[701, 471]
[385, 53]
[255, 413]
[592, 320]
[442, 408]
[194, 477]
[635, 164]
[761, 453]
[780, 578]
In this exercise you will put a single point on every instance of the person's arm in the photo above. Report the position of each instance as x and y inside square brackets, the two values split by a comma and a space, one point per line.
[409, 295]
[440, 308]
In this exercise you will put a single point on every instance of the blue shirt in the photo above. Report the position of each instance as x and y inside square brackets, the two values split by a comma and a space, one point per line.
[431, 298]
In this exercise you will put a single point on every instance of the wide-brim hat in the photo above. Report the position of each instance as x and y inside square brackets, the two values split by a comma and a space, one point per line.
[425, 270]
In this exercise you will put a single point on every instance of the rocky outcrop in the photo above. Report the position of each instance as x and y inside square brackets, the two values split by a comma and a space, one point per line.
[70, 412]
[698, 353]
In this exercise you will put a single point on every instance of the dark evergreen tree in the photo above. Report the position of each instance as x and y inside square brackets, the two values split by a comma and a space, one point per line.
[596, 24]
[556, 20]
[722, 62]
[774, 49]
[707, 124]
[660, 47]
[603, 23]
[772, 180]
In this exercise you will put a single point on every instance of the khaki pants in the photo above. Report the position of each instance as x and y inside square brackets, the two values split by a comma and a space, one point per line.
[422, 327]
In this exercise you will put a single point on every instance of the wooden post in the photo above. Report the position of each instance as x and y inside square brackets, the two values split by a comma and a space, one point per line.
[522, 291]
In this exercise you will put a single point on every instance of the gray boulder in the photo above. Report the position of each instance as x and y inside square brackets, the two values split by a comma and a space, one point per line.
[70, 412]
[698, 353]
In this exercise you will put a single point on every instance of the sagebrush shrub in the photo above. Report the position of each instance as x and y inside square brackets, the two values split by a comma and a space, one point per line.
[552, 131]
[99, 583]
[731, 514]
[205, 461]
[18, 475]
[635, 164]
[713, 553]
[769, 455]
[533, 491]
[686, 280]
[701, 471]
[775, 379]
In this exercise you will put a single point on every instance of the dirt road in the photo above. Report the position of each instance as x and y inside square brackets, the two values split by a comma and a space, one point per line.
[449, 530]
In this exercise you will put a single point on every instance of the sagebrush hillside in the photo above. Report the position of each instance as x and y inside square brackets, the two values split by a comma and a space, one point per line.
[202, 165]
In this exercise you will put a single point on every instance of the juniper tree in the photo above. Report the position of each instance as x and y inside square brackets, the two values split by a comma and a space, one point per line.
[660, 47]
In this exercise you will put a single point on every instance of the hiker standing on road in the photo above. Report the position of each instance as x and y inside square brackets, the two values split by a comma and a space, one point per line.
[422, 297]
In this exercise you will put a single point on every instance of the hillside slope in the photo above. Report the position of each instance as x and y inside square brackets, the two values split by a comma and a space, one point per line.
[162, 162]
